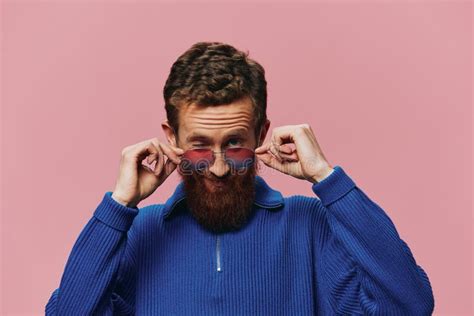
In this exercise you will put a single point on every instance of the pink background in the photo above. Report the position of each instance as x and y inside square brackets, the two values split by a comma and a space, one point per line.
[386, 86]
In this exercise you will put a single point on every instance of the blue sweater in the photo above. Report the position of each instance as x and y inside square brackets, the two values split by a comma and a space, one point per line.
[335, 254]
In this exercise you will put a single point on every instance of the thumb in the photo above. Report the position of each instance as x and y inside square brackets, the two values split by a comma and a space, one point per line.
[262, 149]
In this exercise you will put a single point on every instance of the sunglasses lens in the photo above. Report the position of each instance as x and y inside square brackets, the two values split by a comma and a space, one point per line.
[196, 159]
[201, 158]
[239, 158]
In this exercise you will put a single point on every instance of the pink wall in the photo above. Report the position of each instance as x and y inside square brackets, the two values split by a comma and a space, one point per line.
[385, 86]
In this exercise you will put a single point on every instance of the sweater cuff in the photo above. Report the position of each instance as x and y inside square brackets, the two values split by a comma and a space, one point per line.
[334, 186]
[114, 214]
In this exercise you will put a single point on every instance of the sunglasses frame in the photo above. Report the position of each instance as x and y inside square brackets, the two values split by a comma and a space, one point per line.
[247, 164]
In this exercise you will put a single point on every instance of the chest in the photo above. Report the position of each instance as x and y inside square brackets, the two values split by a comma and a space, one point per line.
[265, 268]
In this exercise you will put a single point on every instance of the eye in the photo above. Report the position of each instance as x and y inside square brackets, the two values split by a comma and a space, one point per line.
[234, 142]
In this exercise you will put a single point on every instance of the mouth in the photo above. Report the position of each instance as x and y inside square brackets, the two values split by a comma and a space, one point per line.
[215, 184]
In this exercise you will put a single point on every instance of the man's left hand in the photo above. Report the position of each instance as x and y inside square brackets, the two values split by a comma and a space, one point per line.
[305, 161]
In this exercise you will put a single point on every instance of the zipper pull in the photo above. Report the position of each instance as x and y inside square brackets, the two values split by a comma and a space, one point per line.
[218, 254]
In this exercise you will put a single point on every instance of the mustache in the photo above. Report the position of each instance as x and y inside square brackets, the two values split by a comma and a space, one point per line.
[219, 179]
[224, 210]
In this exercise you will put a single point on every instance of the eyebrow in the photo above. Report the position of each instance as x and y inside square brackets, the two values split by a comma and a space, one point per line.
[235, 133]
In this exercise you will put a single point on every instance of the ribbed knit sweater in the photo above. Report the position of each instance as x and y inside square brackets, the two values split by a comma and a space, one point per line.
[334, 254]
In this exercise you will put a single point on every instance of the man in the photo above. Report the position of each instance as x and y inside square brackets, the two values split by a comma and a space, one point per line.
[225, 242]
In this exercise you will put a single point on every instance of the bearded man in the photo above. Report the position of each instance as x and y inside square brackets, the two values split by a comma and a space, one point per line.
[226, 242]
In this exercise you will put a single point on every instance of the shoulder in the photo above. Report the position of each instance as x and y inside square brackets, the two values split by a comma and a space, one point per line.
[306, 207]
[149, 216]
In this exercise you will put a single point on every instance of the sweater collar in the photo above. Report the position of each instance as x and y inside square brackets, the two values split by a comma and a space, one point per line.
[265, 197]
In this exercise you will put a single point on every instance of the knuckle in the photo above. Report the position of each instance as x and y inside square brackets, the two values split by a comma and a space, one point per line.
[305, 126]
[154, 147]
[300, 130]
[154, 144]
[163, 147]
[125, 151]
[165, 151]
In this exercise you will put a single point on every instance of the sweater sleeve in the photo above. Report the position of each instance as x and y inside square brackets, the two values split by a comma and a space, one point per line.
[364, 267]
[91, 283]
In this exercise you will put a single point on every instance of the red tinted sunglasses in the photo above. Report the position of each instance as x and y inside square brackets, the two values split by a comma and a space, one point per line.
[201, 158]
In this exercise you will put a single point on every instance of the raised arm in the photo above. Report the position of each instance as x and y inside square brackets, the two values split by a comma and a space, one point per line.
[91, 283]
[364, 267]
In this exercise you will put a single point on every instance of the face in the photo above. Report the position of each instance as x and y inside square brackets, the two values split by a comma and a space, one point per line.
[219, 197]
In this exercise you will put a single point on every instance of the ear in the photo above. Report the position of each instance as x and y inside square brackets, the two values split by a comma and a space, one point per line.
[263, 133]
[169, 132]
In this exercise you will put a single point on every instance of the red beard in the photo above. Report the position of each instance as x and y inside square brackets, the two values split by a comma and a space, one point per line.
[225, 208]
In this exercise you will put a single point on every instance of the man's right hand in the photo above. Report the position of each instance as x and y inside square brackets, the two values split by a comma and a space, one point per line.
[136, 181]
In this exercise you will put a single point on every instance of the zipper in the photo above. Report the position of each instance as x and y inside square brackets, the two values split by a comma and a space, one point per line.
[218, 253]
[218, 241]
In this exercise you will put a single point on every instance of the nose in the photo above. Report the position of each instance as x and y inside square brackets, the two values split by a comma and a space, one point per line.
[219, 168]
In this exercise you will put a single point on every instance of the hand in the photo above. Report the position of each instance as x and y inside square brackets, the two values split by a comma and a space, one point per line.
[306, 161]
[137, 181]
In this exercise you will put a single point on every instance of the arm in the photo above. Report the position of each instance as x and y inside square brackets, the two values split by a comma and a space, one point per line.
[364, 267]
[91, 282]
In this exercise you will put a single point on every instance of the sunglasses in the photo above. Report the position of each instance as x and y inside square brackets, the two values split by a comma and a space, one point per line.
[237, 158]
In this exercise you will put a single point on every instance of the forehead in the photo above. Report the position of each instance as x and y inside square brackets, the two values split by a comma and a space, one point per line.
[216, 120]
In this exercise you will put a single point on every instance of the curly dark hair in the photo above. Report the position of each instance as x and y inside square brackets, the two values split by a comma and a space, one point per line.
[214, 73]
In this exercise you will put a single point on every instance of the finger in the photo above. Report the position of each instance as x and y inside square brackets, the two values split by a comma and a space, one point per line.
[283, 151]
[154, 153]
[177, 150]
[291, 157]
[170, 153]
[147, 168]
[286, 148]
[272, 162]
[274, 150]
[283, 135]
[160, 163]
[139, 151]
[265, 147]
[301, 136]
[287, 152]
[169, 167]
[157, 153]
